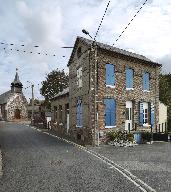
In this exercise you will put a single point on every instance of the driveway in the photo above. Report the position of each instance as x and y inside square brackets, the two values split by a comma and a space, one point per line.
[150, 163]
[34, 162]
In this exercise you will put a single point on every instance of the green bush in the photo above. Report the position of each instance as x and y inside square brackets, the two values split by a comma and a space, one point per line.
[120, 135]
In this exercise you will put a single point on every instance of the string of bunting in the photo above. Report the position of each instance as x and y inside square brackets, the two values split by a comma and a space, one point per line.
[26, 51]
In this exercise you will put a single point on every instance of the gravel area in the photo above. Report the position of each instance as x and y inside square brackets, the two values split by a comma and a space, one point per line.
[36, 162]
[150, 163]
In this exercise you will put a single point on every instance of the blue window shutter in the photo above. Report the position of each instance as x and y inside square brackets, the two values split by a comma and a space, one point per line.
[129, 78]
[141, 113]
[79, 112]
[146, 81]
[152, 119]
[81, 117]
[110, 112]
[110, 74]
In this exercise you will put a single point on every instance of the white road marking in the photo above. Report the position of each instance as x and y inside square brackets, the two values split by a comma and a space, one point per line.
[135, 180]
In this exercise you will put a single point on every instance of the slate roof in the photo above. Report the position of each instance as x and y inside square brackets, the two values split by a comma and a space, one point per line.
[64, 92]
[112, 49]
[4, 97]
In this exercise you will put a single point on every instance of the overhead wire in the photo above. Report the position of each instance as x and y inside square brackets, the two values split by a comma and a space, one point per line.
[130, 22]
[101, 21]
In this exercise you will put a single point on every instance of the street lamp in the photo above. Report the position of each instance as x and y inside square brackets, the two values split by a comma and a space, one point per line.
[32, 113]
[87, 33]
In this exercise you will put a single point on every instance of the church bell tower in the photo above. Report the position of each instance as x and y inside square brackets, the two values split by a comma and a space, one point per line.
[16, 85]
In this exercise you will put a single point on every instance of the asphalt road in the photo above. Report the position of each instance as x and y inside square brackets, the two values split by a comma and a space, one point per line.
[34, 161]
[150, 163]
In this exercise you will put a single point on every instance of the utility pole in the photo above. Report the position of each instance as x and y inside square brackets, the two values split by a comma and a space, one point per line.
[32, 114]
[95, 99]
[32, 101]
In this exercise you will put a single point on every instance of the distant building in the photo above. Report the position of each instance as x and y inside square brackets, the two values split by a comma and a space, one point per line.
[162, 124]
[13, 104]
[60, 112]
[109, 89]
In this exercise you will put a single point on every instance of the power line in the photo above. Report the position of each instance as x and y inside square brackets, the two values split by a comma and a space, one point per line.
[130, 22]
[101, 21]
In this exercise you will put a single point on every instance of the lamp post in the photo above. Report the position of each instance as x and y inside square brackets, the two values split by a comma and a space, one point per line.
[95, 90]
[32, 102]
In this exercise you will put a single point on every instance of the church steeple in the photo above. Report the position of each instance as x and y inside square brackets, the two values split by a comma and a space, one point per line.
[16, 85]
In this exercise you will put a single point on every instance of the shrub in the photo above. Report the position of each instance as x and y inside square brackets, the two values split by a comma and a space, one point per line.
[120, 136]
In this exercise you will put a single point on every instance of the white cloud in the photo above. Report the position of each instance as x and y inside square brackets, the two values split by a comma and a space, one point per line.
[54, 23]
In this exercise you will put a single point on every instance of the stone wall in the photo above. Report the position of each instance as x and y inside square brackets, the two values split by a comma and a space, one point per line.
[120, 94]
[60, 125]
[91, 80]
[16, 101]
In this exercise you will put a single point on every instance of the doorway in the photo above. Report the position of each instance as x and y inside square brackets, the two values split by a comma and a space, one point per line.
[128, 122]
[17, 114]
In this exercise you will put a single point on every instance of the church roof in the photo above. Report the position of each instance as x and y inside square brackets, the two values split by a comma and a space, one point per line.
[4, 97]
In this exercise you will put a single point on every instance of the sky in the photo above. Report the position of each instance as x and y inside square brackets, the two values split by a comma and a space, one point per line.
[53, 24]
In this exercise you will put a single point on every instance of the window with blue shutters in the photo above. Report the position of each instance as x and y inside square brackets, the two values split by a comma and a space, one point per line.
[152, 115]
[79, 113]
[129, 78]
[141, 113]
[146, 81]
[110, 75]
[147, 114]
[110, 112]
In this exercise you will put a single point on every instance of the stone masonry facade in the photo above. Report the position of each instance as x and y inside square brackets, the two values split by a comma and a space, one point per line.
[88, 91]
[60, 109]
[93, 91]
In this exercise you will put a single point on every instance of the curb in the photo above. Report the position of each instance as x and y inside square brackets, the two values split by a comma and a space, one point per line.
[132, 178]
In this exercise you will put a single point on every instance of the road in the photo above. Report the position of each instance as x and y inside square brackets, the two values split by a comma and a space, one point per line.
[34, 161]
[150, 163]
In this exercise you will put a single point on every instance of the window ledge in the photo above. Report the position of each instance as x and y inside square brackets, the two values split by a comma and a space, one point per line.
[111, 86]
[146, 126]
[79, 126]
[147, 91]
[109, 127]
[129, 89]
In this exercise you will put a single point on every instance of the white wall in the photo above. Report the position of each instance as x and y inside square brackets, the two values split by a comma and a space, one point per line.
[162, 115]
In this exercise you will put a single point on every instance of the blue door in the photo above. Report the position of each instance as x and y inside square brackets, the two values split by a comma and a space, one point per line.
[110, 112]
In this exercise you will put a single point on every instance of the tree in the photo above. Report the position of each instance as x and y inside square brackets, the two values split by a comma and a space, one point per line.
[55, 82]
[165, 94]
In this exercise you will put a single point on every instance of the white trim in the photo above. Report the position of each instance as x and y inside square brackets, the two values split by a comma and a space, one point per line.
[129, 89]
[78, 126]
[111, 86]
[109, 127]
[146, 91]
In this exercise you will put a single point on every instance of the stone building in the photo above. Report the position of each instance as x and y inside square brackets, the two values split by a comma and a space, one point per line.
[110, 89]
[60, 112]
[13, 104]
